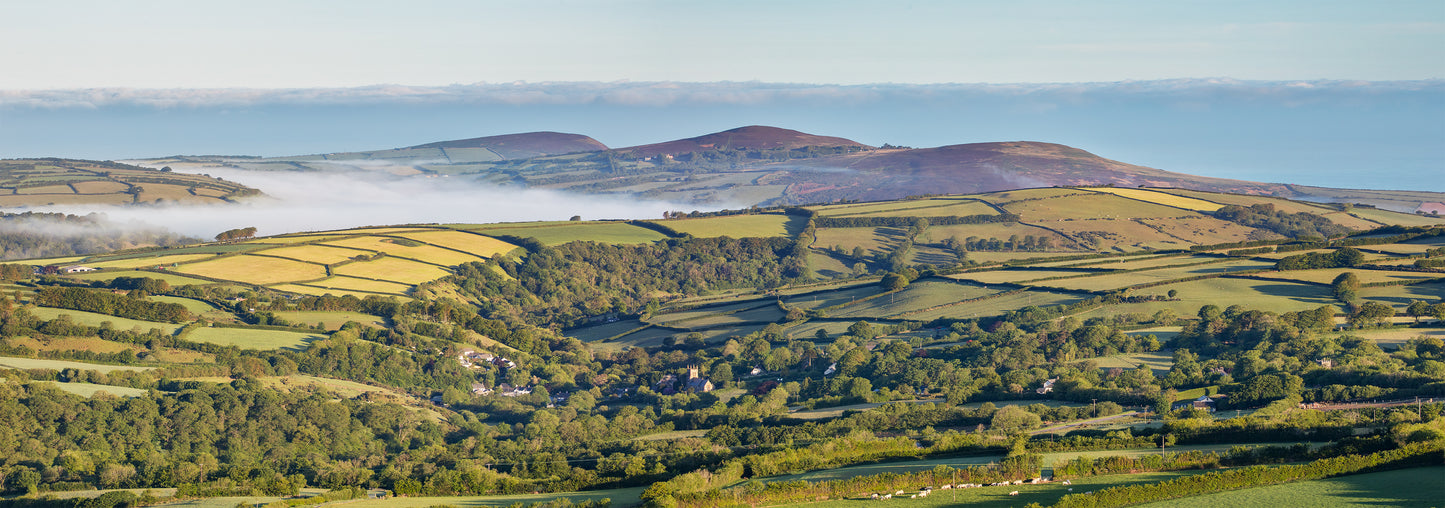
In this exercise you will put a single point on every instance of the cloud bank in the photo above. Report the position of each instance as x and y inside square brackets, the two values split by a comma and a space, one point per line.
[666, 93]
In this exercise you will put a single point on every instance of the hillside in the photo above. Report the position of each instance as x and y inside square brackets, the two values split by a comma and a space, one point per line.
[752, 137]
[770, 166]
[40, 182]
[835, 351]
[526, 145]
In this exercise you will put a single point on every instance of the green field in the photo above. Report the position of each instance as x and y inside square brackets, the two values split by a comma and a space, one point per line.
[1159, 362]
[620, 497]
[999, 305]
[738, 226]
[1420, 487]
[1273, 296]
[330, 320]
[560, 233]
[245, 338]
[1017, 276]
[1109, 281]
[94, 319]
[41, 363]
[255, 269]
[917, 297]
[195, 306]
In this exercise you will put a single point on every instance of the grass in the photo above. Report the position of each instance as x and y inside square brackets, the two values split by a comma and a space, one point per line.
[999, 230]
[870, 239]
[92, 344]
[1161, 198]
[1013, 276]
[922, 208]
[1394, 336]
[363, 285]
[41, 363]
[246, 338]
[195, 306]
[995, 306]
[559, 233]
[1122, 280]
[1327, 275]
[1273, 296]
[483, 246]
[1091, 205]
[170, 278]
[340, 387]
[1280, 204]
[393, 270]
[95, 319]
[915, 298]
[154, 261]
[255, 269]
[428, 253]
[328, 319]
[1400, 296]
[737, 226]
[620, 497]
[1405, 487]
[89, 390]
[1159, 362]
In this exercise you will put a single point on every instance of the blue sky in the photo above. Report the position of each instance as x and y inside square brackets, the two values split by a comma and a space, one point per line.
[298, 44]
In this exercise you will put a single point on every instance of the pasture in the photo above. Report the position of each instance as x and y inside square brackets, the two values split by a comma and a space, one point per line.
[1091, 205]
[917, 297]
[392, 270]
[194, 306]
[560, 233]
[1273, 296]
[869, 239]
[93, 344]
[246, 338]
[1159, 362]
[998, 305]
[257, 270]
[41, 363]
[738, 226]
[936, 207]
[343, 283]
[620, 497]
[1280, 204]
[153, 261]
[471, 243]
[88, 390]
[1327, 275]
[1110, 281]
[1401, 296]
[1415, 487]
[170, 278]
[999, 230]
[330, 320]
[1160, 198]
[96, 319]
[1017, 276]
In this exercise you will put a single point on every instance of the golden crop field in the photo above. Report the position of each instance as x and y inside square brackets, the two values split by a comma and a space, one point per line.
[383, 231]
[1161, 198]
[257, 270]
[428, 253]
[150, 261]
[100, 187]
[484, 246]
[358, 284]
[289, 239]
[46, 189]
[736, 226]
[1280, 204]
[392, 269]
[315, 253]
[1091, 205]
[1327, 275]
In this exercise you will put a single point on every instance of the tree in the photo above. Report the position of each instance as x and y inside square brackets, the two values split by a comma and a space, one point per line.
[1372, 312]
[862, 330]
[1346, 286]
[893, 282]
[575, 218]
[1014, 418]
[1417, 310]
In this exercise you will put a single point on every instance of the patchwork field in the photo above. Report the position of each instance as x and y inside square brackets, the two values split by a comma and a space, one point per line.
[1273, 296]
[146, 262]
[1417, 487]
[870, 239]
[170, 278]
[1327, 275]
[320, 254]
[999, 230]
[917, 297]
[1110, 281]
[1091, 205]
[939, 207]
[330, 320]
[355, 284]
[999, 305]
[1017, 276]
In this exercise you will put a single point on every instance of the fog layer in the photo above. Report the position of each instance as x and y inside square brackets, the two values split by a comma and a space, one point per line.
[320, 201]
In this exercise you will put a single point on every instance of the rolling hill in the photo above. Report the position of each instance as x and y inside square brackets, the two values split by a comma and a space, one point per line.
[763, 165]
[40, 182]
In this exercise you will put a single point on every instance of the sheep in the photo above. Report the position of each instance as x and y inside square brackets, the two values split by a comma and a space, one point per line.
[1014, 493]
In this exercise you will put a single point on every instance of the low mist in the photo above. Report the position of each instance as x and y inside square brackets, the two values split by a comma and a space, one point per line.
[318, 201]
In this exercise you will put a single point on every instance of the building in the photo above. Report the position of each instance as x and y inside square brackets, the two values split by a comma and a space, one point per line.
[1048, 386]
[76, 269]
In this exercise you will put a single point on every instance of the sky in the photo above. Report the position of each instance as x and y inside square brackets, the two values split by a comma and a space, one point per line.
[1329, 93]
[346, 43]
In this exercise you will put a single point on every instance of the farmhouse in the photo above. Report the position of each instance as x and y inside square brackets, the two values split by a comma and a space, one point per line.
[76, 269]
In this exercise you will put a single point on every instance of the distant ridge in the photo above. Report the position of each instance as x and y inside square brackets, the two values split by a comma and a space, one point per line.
[525, 145]
[756, 137]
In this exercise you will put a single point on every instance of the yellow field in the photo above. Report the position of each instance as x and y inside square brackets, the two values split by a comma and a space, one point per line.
[314, 253]
[1014, 276]
[93, 344]
[318, 291]
[255, 269]
[1091, 205]
[356, 284]
[64, 199]
[383, 231]
[735, 226]
[428, 253]
[475, 244]
[150, 261]
[100, 187]
[1280, 204]
[1161, 198]
[1327, 275]
[46, 189]
[393, 269]
[937, 207]
[287, 240]
[999, 230]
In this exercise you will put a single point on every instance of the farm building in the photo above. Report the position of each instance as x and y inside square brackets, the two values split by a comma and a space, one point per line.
[76, 269]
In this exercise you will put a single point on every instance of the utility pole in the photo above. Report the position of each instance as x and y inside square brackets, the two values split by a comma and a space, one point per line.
[1095, 403]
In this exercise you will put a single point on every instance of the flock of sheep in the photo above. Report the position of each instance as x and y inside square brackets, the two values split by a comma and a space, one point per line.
[924, 491]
